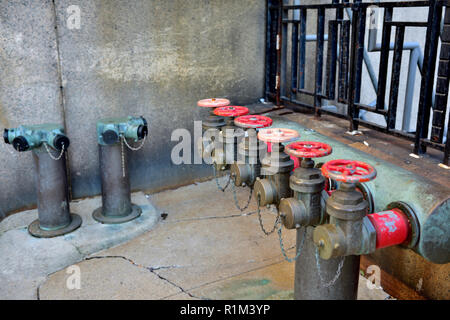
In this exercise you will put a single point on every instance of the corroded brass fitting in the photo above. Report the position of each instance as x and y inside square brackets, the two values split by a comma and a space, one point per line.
[307, 182]
[349, 231]
[276, 168]
[304, 208]
[248, 166]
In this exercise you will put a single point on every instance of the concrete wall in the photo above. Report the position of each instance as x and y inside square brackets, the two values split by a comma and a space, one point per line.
[151, 58]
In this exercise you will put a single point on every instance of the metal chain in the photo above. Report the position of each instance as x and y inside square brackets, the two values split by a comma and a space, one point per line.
[135, 148]
[267, 233]
[336, 276]
[123, 156]
[283, 251]
[217, 180]
[50, 154]
[236, 202]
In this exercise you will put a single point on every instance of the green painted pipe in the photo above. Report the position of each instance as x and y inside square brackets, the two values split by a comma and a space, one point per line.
[429, 200]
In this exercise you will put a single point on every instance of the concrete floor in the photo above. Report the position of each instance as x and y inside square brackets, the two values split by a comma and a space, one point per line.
[204, 249]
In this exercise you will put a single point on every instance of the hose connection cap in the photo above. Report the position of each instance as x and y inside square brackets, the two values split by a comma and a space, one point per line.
[20, 144]
[5, 135]
[142, 131]
[110, 137]
[61, 140]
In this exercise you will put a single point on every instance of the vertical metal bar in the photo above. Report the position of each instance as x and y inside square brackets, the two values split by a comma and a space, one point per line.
[302, 49]
[429, 67]
[294, 58]
[343, 61]
[271, 48]
[282, 81]
[384, 58]
[268, 48]
[331, 60]
[279, 53]
[395, 78]
[442, 83]
[359, 56]
[351, 83]
[319, 60]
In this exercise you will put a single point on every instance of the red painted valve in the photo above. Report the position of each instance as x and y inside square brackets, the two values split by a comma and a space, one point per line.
[277, 135]
[350, 171]
[253, 121]
[392, 227]
[231, 111]
[308, 149]
[213, 103]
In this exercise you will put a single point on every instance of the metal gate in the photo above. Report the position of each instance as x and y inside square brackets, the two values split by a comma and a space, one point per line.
[338, 77]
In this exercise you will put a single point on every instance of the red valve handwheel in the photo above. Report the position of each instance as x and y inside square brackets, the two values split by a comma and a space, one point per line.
[213, 103]
[231, 111]
[277, 135]
[308, 149]
[350, 171]
[253, 121]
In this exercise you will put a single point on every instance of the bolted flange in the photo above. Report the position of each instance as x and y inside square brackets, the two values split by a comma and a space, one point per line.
[101, 217]
[35, 230]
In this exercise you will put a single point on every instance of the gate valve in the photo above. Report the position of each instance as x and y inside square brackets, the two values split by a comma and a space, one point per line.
[276, 167]
[251, 149]
[110, 130]
[349, 231]
[25, 138]
[212, 121]
[225, 153]
[307, 182]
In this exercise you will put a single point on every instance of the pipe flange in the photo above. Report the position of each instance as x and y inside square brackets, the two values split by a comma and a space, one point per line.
[35, 230]
[98, 215]
[367, 195]
[413, 222]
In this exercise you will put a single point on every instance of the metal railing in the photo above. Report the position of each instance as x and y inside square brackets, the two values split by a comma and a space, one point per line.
[338, 78]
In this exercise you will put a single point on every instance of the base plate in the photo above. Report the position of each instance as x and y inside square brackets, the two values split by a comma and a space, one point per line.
[98, 215]
[35, 230]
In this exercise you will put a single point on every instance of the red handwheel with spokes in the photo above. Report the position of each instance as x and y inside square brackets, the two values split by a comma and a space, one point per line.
[253, 121]
[350, 171]
[308, 149]
[231, 111]
[213, 103]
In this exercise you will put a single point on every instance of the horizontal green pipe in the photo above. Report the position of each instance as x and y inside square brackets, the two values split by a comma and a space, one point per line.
[430, 201]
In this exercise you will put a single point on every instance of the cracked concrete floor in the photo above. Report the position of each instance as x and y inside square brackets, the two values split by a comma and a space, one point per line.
[204, 249]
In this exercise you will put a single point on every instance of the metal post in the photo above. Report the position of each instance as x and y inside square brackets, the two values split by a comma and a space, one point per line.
[116, 198]
[55, 218]
[308, 283]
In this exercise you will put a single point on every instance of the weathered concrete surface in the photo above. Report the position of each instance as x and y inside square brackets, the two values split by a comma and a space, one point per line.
[26, 260]
[151, 58]
[204, 249]
[29, 90]
[156, 59]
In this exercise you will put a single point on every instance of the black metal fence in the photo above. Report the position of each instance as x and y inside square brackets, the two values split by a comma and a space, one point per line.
[340, 80]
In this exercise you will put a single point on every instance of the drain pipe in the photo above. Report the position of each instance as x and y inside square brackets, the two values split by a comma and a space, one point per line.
[54, 217]
[116, 195]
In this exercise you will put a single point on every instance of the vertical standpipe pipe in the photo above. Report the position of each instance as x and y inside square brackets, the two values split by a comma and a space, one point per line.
[116, 194]
[55, 218]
